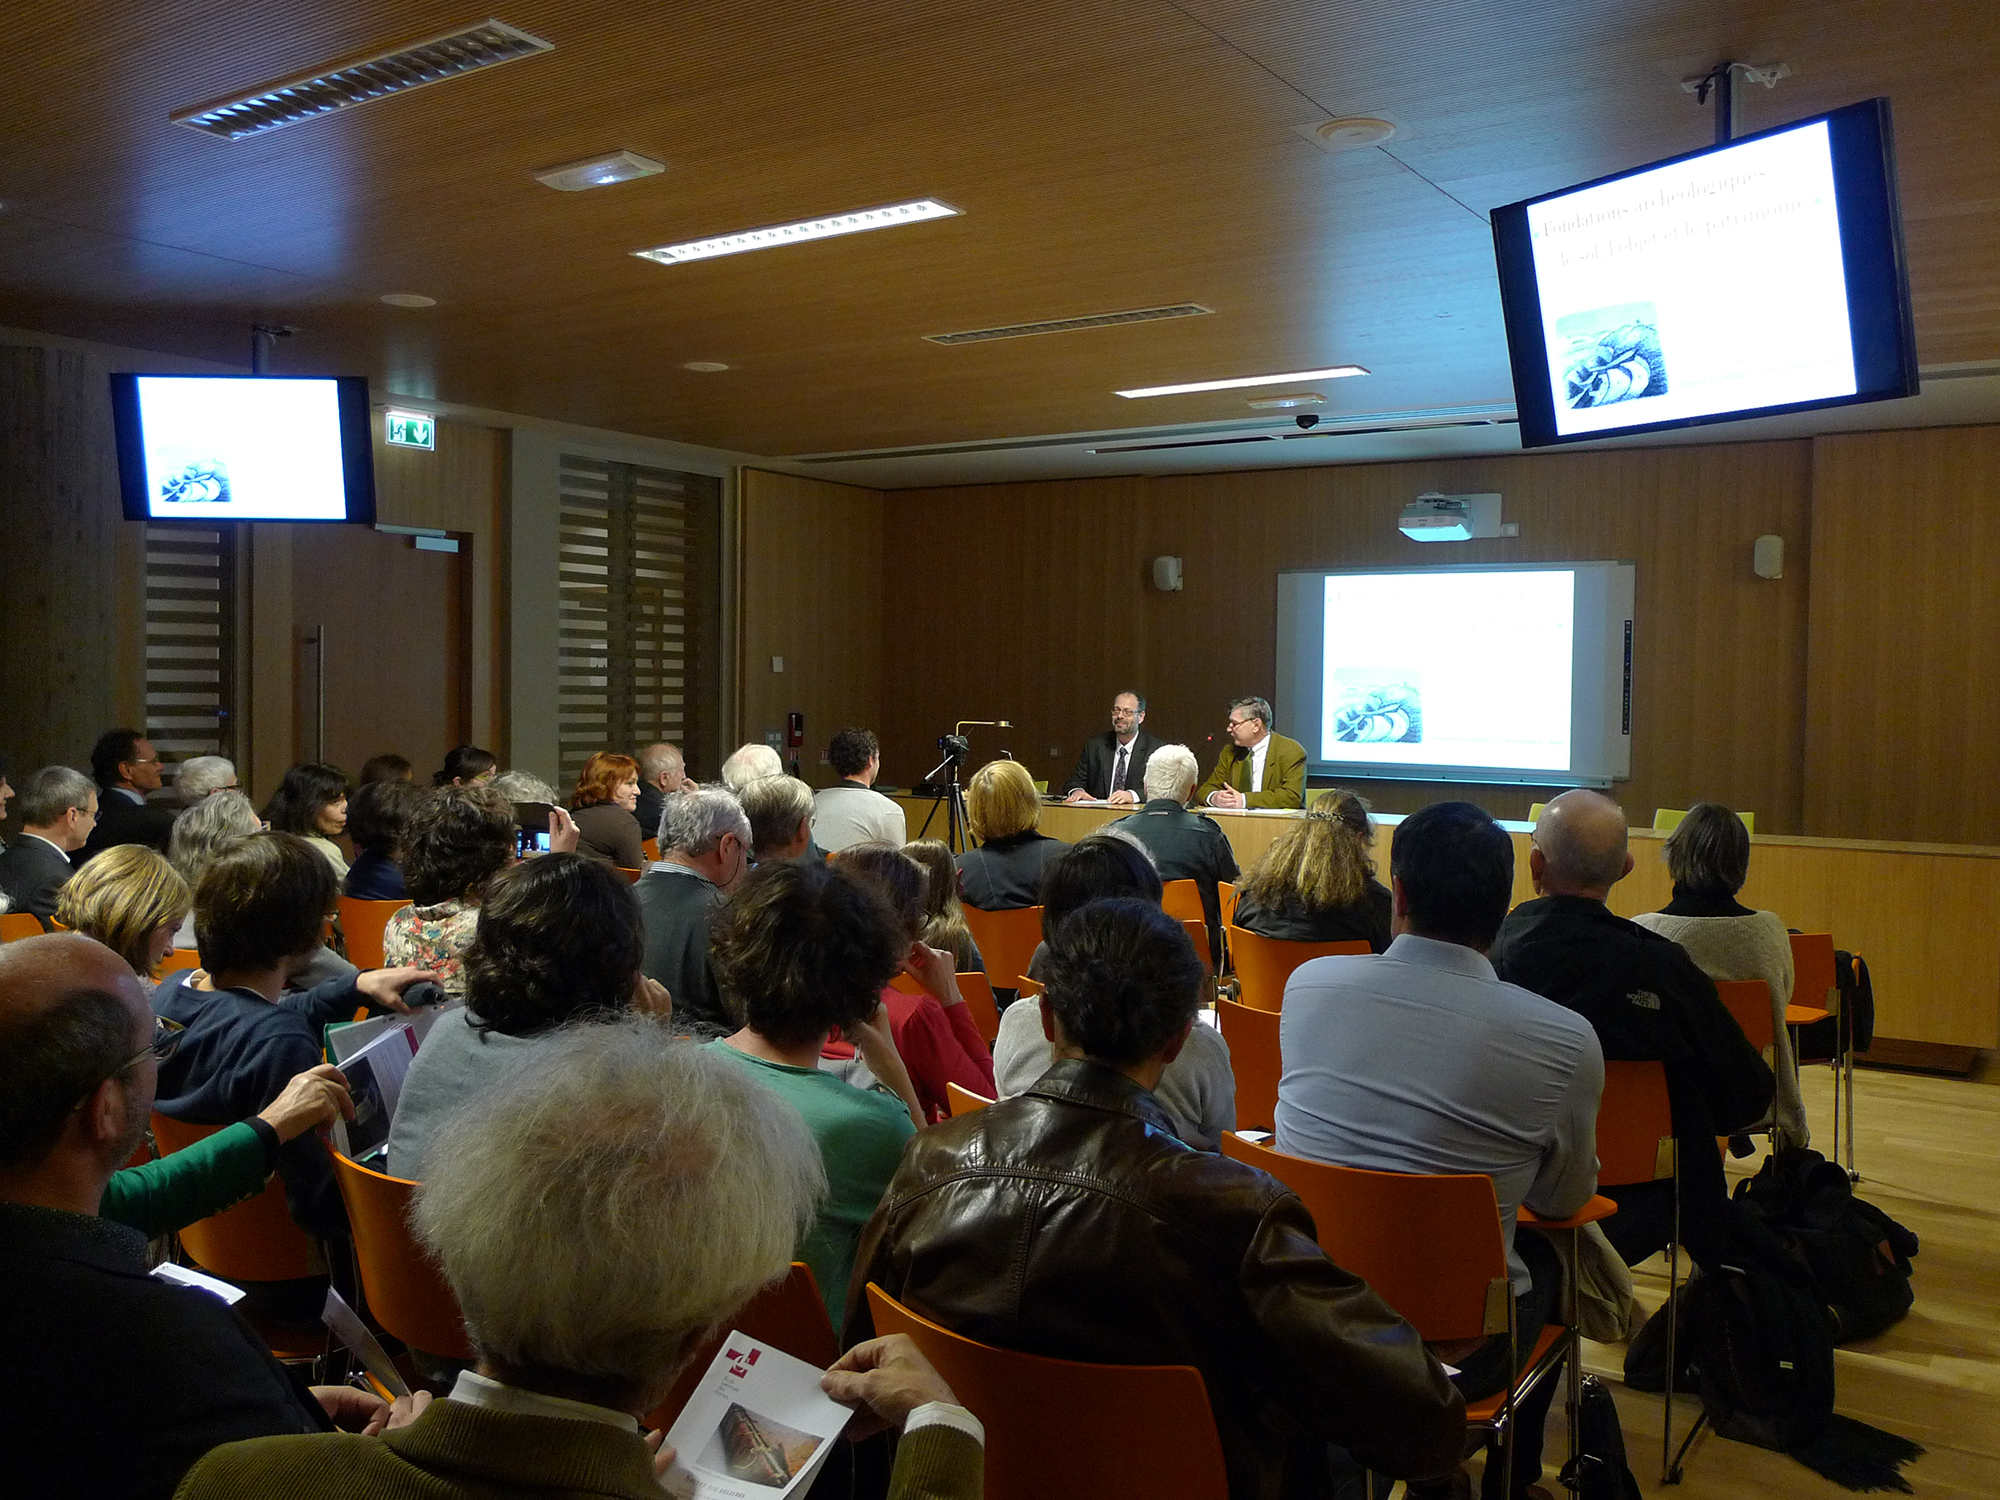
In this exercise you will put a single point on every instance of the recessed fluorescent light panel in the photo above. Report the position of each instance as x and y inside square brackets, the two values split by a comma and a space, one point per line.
[1337, 372]
[599, 171]
[806, 229]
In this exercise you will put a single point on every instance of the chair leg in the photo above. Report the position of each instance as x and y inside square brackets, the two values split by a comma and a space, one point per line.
[1668, 1473]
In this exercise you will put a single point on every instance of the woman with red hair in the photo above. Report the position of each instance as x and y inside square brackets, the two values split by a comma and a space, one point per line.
[605, 795]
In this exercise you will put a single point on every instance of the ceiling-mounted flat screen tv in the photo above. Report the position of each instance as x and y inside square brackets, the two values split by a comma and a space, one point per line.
[1761, 276]
[244, 447]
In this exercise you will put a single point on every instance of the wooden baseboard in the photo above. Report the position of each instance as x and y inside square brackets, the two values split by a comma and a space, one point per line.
[1919, 1057]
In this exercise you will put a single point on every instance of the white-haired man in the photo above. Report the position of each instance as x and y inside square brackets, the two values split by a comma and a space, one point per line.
[748, 763]
[203, 776]
[662, 774]
[704, 850]
[1184, 845]
[695, 1189]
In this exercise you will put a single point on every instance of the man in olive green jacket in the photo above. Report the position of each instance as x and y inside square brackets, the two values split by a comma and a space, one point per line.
[1258, 768]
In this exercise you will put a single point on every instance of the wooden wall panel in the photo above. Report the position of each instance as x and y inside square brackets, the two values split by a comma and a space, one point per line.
[1903, 670]
[1047, 611]
[811, 590]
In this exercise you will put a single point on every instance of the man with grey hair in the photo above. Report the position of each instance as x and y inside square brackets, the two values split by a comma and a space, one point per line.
[524, 786]
[696, 1190]
[704, 850]
[662, 774]
[58, 811]
[203, 775]
[1647, 1001]
[1258, 768]
[780, 810]
[1184, 845]
[748, 763]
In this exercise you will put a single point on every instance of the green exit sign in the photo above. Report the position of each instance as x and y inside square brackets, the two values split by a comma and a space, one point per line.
[412, 429]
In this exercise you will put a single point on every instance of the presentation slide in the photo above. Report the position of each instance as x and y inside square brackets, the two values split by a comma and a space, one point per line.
[1518, 673]
[228, 449]
[1705, 286]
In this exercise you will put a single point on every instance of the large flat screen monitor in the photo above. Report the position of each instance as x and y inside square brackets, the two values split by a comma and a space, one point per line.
[244, 447]
[1761, 276]
[1519, 674]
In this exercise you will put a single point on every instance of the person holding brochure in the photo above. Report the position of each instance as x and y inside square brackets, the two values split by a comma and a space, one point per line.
[1259, 768]
[696, 1190]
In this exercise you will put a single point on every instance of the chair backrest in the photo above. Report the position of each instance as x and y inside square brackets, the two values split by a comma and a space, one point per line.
[977, 992]
[1535, 811]
[1430, 1246]
[1042, 787]
[19, 924]
[1264, 964]
[651, 849]
[363, 923]
[906, 984]
[177, 960]
[1115, 1430]
[963, 1101]
[1749, 1000]
[629, 873]
[1812, 971]
[789, 1315]
[254, 1241]
[1635, 1125]
[1225, 892]
[1029, 988]
[406, 1293]
[1197, 931]
[1182, 898]
[1252, 1035]
[1667, 819]
[1007, 940]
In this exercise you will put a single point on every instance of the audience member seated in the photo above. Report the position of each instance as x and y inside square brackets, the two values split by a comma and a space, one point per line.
[259, 913]
[803, 950]
[127, 768]
[850, 811]
[1184, 845]
[558, 941]
[1073, 1223]
[944, 913]
[525, 786]
[132, 901]
[1316, 883]
[465, 765]
[597, 1221]
[1420, 1060]
[780, 812]
[388, 767]
[1198, 1087]
[704, 850]
[1001, 808]
[662, 774]
[58, 810]
[198, 833]
[203, 776]
[606, 792]
[378, 820]
[459, 838]
[1708, 856]
[746, 764]
[934, 1032]
[115, 1382]
[1647, 1000]
[311, 801]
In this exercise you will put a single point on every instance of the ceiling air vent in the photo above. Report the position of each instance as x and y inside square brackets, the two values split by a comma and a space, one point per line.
[1071, 325]
[313, 94]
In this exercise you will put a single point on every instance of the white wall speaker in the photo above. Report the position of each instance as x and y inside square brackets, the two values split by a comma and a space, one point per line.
[1767, 557]
[1167, 574]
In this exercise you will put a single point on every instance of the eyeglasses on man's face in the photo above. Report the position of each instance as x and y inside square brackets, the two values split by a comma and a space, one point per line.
[166, 1039]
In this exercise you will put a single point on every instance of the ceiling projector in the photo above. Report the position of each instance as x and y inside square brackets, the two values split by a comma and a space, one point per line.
[1450, 518]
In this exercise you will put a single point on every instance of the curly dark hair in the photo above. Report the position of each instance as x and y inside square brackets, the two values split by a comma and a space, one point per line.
[851, 750]
[559, 937]
[295, 806]
[1095, 868]
[459, 838]
[1122, 979]
[801, 949]
[378, 815]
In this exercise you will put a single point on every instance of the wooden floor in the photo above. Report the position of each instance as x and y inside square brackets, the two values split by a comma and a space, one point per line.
[1928, 1150]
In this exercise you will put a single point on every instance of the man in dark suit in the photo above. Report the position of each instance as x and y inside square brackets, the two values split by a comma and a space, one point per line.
[1113, 764]
[1185, 845]
[662, 774]
[127, 768]
[58, 810]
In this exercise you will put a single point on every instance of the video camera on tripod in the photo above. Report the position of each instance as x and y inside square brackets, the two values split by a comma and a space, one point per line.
[944, 779]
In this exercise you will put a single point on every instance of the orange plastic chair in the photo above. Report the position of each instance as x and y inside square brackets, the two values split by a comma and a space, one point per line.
[1225, 891]
[963, 1101]
[1029, 988]
[177, 960]
[1182, 898]
[977, 992]
[1197, 931]
[254, 1241]
[1120, 1429]
[1432, 1248]
[906, 984]
[789, 1315]
[1264, 964]
[1813, 982]
[651, 849]
[1007, 940]
[19, 924]
[363, 922]
[629, 873]
[403, 1288]
[1252, 1035]
[1749, 1001]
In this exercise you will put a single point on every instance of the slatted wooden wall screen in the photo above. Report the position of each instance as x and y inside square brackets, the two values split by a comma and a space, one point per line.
[190, 642]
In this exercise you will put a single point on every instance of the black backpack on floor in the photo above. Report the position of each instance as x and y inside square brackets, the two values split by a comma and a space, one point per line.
[1599, 1470]
[1859, 1257]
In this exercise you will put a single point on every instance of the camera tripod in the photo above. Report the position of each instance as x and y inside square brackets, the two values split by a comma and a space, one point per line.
[951, 796]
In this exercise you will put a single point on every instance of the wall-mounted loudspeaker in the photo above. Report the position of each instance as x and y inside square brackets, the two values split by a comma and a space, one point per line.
[1167, 574]
[1767, 557]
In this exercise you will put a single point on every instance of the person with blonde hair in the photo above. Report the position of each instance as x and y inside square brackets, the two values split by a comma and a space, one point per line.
[132, 901]
[944, 913]
[1001, 809]
[1317, 883]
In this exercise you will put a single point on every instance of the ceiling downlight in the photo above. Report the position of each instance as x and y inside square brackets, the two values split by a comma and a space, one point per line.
[1072, 325]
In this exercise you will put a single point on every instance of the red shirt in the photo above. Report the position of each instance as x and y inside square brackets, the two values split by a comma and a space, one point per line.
[938, 1045]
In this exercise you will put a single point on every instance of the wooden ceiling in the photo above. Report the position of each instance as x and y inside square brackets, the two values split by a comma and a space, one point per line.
[1106, 156]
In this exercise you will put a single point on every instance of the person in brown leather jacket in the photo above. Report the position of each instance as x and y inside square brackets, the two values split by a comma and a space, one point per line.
[1071, 1222]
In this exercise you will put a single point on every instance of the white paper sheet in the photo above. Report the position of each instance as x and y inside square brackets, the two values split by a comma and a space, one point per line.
[757, 1428]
